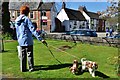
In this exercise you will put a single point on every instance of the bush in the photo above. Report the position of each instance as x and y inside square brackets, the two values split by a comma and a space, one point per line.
[7, 36]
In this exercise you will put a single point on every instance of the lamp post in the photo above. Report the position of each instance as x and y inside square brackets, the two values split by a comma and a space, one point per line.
[40, 7]
[41, 19]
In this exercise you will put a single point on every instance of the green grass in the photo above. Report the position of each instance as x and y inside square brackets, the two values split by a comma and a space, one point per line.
[47, 67]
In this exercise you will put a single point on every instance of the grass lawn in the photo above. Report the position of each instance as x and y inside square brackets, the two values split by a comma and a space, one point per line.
[47, 67]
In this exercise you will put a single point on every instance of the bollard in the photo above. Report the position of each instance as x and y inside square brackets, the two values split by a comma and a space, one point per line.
[1, 45]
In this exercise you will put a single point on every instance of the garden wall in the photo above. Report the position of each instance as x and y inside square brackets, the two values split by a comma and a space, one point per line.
[83, 39]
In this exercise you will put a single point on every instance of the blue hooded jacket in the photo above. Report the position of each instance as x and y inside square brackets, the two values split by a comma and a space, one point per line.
[24, 31]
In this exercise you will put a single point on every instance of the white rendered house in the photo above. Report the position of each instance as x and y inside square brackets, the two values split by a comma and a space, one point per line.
[79, 19]
[71, 19]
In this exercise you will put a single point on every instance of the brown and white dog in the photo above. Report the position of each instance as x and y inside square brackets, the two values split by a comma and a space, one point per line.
[74, 68]
[89, 65]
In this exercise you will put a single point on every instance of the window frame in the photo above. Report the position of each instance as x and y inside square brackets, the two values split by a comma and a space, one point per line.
[44, 23]
[31, 13]
[43, 13]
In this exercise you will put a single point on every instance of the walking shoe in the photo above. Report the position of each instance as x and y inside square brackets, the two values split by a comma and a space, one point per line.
[23, 70]
[30, 70]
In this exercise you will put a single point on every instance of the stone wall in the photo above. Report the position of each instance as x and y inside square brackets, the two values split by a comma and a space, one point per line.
[83, 39]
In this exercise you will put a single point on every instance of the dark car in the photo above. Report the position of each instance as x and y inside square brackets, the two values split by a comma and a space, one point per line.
[116, 36]
[83, 32]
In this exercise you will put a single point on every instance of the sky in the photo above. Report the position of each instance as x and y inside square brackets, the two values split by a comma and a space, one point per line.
[91, 6]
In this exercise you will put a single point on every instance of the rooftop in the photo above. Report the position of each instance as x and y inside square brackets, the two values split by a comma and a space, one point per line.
[32, 5]
[74, 14]
[46, 6]
[17, 5]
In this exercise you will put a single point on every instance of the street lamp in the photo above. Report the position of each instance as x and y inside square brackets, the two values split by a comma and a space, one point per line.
[41, 18]
[40, 8]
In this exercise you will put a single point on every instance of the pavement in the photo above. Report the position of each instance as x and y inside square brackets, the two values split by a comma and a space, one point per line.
[103, 34]
[100, 34]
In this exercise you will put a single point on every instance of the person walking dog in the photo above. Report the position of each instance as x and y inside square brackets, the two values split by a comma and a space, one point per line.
[24, 30]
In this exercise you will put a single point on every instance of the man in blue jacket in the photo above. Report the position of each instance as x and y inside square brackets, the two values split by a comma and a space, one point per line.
[24, 30]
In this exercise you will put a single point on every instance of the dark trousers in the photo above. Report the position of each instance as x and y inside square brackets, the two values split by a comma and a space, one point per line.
[26, 52]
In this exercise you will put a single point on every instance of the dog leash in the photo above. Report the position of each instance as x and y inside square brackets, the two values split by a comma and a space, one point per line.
[64, 51]
[53, 54]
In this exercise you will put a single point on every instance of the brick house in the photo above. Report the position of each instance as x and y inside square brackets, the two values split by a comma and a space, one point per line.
[94, 21]
[48, 11]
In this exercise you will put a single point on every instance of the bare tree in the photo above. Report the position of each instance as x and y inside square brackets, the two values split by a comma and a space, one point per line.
[111, 15]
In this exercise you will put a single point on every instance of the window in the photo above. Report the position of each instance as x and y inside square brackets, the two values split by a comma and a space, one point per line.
[44, 22]
[92, 21]
[31, 15]
[18, 13]
[43, 13]
[75, 23]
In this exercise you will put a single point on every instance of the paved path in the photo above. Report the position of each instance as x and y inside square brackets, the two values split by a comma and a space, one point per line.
[103, 34]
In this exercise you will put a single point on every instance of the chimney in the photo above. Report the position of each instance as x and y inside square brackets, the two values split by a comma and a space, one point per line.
[80, 8]
[63, 5]
[98, 12]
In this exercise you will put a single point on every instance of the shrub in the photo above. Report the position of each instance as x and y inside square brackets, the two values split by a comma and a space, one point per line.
[7, 36]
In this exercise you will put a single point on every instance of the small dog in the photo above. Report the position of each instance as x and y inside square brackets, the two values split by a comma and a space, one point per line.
[89, 65]
[74, 68]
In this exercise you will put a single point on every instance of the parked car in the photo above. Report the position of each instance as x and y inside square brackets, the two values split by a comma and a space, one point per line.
[116, 36]
[83, 32]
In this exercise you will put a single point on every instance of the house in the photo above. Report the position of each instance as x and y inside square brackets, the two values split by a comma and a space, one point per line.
[15, 12]
[93, 19]
[49, 13]
[69, 19]
[37, 10]
[79, 19]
